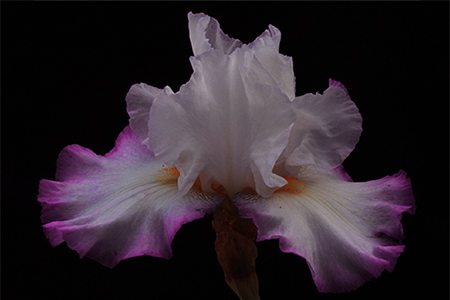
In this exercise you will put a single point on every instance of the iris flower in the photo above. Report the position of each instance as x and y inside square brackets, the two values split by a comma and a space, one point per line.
[234, 132]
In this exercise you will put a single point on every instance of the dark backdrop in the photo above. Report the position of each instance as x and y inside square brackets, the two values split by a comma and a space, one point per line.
[66, 69]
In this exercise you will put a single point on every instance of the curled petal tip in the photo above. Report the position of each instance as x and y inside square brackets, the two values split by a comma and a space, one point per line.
[335, 83]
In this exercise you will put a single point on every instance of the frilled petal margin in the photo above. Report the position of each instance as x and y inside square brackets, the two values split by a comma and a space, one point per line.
[230, 122]
[116, 206]
[273, 68]
[139, 99]
[348, 232]
[205, 34]
[325, 132]
[223, 126]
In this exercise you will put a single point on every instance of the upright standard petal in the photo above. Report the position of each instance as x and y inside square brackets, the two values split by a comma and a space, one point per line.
[230, 122]
[348, 232]
[270, 67]
[116, 206]
[277, 69]
[326, 130]
[223, 125]
[206, 35]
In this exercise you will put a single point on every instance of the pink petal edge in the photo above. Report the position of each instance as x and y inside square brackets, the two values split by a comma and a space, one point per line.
[103, 215]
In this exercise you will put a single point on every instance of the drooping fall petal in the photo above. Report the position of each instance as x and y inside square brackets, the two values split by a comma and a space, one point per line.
[116, 206]
[235, 126]
[348, 232]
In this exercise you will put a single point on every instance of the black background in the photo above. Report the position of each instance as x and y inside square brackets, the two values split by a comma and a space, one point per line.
[66, 69]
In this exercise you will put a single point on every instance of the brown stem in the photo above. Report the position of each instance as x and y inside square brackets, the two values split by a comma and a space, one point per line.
[236, 250]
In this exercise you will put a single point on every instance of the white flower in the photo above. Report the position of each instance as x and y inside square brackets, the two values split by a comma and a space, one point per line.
[236, 130]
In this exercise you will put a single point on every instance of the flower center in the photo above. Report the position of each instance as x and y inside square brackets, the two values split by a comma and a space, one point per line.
[170, 176]
[293, 186]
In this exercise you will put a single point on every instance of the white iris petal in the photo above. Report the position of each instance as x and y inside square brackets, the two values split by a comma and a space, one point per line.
[237, 125]
[116, 206]
[231, 121]
[348, 232]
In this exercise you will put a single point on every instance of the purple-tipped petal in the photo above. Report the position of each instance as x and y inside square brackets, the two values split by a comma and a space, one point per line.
[348, 232]
[116, 206]
[335, 83]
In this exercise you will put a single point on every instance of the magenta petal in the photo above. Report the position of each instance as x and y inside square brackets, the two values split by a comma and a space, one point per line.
[113, 207]
[348, 232]
[334, 83]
